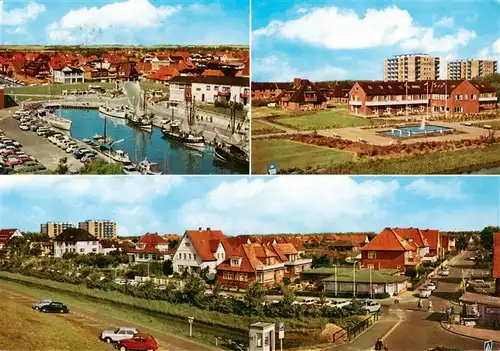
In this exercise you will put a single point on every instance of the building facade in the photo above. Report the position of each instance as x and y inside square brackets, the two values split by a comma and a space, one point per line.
[8, 234]
[101, 229]
[68, 75]
[435, 97]
[302, 95]
[150, 248]
[75, 240]
[411, 68]
[53, 229]
[469, 69]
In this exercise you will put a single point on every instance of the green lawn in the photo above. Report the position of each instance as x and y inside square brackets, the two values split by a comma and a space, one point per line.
[22, 328]
[289, 154]
[495, 125]
[260, 112]
[259, 128]
[328, 119]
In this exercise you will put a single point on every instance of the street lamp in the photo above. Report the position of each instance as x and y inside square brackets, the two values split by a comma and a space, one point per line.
[371, 283]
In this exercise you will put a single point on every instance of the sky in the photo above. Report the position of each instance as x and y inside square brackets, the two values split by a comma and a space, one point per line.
[252, 205]
[126, 22]
[335, 40]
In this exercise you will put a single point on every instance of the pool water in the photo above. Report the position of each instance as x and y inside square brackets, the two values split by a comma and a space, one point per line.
[412, 131]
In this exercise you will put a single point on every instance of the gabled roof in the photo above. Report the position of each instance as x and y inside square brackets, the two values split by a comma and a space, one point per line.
[299, 91]
[150, 240]
[212, 73]
[6, 234]
[483, 87]
[252, 257]
[387, 240]
[432, 237]
[75, 234]
[496, 255]
[414, 234]
[359, 239]
[207, 241]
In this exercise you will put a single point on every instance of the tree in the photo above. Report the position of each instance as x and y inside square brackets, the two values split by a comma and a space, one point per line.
[168, 269]
[461, 241]
[99, 166]
[320, 261]
[62, 167]
[486, 236]
[254, 298]
[18, 246]
[194, 289]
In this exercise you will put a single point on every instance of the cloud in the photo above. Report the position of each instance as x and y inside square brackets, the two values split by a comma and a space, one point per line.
[445, 22]
[20, 15]
[334, 28]
[277, 68]
[124, 190]
[17, 30]
[430, 189]
[490, 53]
[288, 204]
[89, 23]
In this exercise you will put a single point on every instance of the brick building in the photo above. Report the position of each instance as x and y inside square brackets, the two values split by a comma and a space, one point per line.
[443, 96]
[302, 95]
[267, 91]
[496, 262]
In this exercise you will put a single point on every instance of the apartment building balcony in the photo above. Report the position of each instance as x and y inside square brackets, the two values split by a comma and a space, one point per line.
[396, 102]
[489, 98]
[298, 262]
[355, 103]
[270, 267]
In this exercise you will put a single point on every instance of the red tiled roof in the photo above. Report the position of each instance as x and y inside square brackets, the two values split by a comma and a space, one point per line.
[212, 73]
[172, 237]
[251, 257]
[496, 255]
[360, 239]
[414, 234]
[164, 73]
[6, 234]
[432, 237]
[151, 240]
[205, 241]
[387, 240]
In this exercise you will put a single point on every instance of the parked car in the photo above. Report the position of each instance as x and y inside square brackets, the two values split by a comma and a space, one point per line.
[430, 286]
[445, 272]
[139, 342]
[54, 307]
[338, 303]
[310, 301]
[370, 306]
[38, 305]
[424, 293]
[118, 334]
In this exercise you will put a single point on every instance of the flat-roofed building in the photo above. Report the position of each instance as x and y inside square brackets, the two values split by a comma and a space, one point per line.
[469, 69]
[53, 229]
[411, 68]
[101, 229]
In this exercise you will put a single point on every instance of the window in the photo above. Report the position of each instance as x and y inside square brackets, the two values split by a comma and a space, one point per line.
[180, 258]
[194, 257]
[94, 250]
[216, 88]
[228, 276]
[208, 87]
[189, 256]
[259, 339]
[372, 255]
[187, 244]
[266, 340]
[198, 89]
[82, 250]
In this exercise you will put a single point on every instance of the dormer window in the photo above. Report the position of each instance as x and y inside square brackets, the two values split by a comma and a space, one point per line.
[236, 262]
[140, 246]
[187, 244]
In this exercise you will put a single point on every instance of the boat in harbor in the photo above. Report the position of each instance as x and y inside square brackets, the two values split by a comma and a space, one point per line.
[139, 118]
[184, 131]
[149, 168]
[119, 156]
[57, 122]
[130, 169]
[117, 112]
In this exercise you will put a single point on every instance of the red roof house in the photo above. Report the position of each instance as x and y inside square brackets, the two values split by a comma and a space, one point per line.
[7, 234]
[388, 250]
[496, 262]
[151, 247]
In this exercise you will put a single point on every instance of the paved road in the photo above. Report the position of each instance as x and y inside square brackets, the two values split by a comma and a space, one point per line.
[99, 322]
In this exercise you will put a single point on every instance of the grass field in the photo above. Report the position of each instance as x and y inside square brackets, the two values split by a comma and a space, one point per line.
[288, 154]
[56, 89]
[260, 112]
[335, 118]
[462, 161]
[259, 128]
[22, 328]
[495, 125]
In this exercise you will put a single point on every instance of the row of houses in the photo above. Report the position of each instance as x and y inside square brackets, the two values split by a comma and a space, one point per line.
[379, 98]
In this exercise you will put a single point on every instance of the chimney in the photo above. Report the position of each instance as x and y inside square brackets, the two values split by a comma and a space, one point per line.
[297, 82]
[199, 228]
[208, 228]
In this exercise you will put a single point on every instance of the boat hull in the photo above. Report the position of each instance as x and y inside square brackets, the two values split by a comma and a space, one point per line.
[225, 156]
[196, 141]
[116, 114]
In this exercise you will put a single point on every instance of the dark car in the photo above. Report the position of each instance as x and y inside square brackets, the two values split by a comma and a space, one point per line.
[54, 307]
[140, 342]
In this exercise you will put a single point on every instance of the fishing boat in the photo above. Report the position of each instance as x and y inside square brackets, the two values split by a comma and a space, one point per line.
[117, 112]
[149, 168]
[139, 118]
[119, 156]
[129, 168]
[57, 122]
[184, 131]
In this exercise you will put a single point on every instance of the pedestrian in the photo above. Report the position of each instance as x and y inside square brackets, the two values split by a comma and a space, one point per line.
[420, 304]
[396, 302]
[379, 345]
[430, 306]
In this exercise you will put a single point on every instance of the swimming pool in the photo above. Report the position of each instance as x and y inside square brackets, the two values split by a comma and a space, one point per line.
[412, 131]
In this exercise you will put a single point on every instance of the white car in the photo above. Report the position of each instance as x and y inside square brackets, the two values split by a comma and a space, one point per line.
[24, 127]
[424, 293]
[119, 334]
[371, 306]
[310, 301]
[338, 303]
[430, 286]
[445, 272]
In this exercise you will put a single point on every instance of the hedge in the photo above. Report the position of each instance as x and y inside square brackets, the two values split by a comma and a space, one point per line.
[362, 295]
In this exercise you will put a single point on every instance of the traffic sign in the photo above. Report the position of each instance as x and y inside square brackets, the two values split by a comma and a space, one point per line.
[272, 168]
[488, 345]
[281, 330]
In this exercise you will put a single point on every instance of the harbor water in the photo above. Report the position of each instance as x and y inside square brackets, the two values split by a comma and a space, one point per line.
[173, 157]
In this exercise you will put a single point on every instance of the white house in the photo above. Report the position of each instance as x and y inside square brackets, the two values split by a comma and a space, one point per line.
[212, 89]
[200, 249]
[7, 234]
[150, 248]
[68, 74]
[75, 240]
